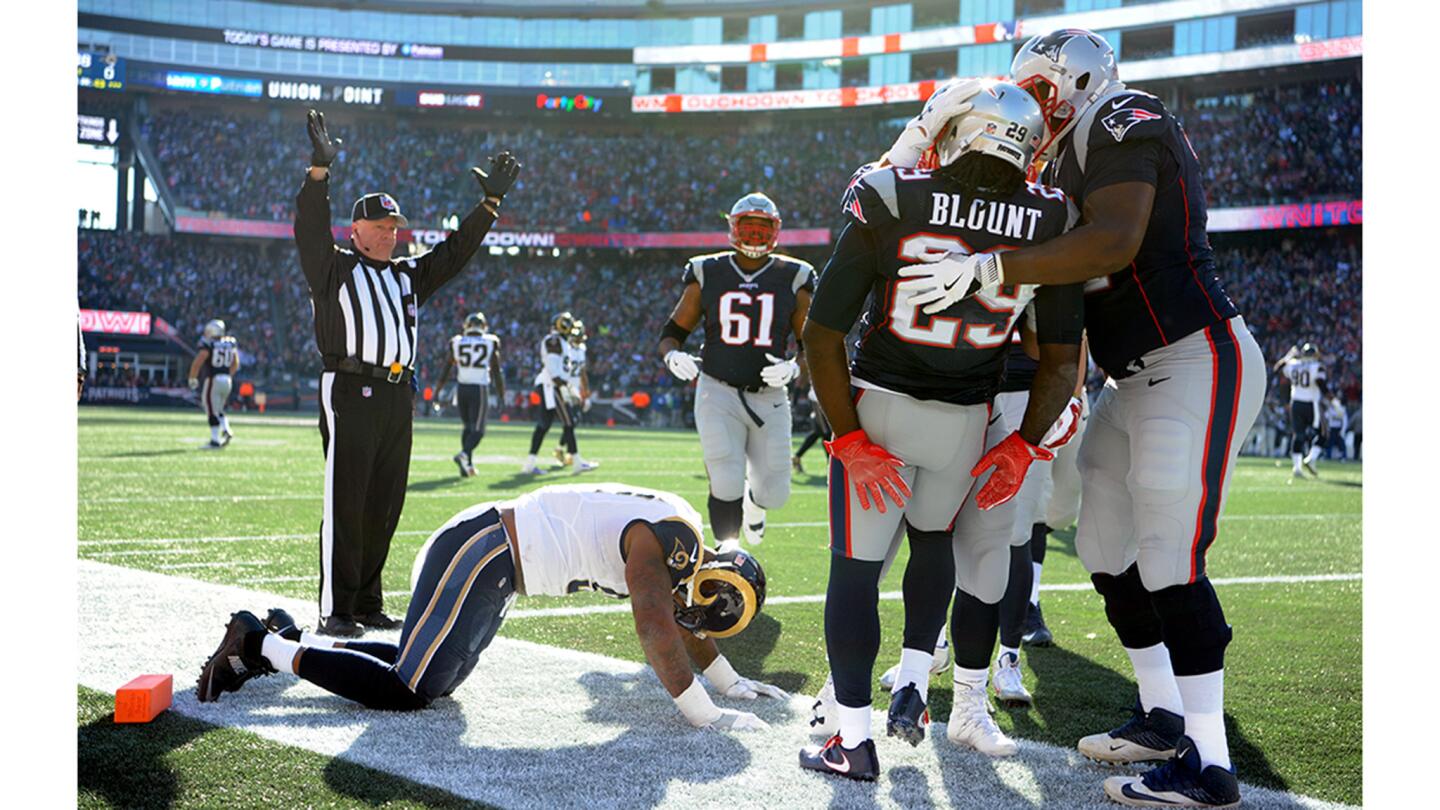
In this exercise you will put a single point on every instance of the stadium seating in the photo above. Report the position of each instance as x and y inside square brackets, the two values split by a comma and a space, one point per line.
[1263, 146]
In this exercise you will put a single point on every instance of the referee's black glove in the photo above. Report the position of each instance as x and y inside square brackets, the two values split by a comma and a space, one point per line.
[324, 148]
[504, 168]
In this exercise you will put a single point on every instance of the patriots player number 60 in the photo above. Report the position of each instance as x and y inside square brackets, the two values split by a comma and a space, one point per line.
[221, 354]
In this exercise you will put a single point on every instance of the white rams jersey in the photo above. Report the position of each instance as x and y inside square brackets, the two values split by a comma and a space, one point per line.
[574, 359]
[552, 359]
[472, 355]
[1304, 376]
[569, 536]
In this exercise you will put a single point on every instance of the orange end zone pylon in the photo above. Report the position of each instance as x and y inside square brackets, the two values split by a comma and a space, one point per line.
[142, 699]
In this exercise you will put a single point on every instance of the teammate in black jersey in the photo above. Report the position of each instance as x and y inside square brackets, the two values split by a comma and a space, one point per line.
[752, 299]
[910, 415]
[1186, 382]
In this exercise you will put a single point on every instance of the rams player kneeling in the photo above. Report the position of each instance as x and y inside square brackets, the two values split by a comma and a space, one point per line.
[611, 538]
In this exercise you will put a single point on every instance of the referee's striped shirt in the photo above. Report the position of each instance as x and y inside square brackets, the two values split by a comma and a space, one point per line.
[366, 309]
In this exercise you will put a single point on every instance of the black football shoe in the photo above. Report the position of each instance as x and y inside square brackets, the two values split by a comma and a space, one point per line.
[280, 622]
[852, 763]
[1145, 736]
[229, 667]
[908, 715]
[379, 621]
[1035, 633]
[1180, 782]
[340, 627]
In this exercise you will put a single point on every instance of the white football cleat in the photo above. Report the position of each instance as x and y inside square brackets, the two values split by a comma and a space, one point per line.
[971, 724]
[939, 665]
[584, 466]
[825, 714]
[1007, 682]
[531, 469]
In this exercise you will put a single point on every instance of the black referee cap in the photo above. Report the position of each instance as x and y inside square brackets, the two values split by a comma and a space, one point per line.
[378, 206]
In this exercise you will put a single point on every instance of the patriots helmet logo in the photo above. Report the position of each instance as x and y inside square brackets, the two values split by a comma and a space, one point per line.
[1120, 121]
[1052, 43]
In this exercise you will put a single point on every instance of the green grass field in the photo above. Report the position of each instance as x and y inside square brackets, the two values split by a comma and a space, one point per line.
[151, 498]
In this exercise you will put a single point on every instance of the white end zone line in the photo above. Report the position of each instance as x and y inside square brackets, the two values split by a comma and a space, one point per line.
[809, 524]
[541, 726]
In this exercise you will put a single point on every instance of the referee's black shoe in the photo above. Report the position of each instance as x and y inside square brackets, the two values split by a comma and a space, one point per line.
[379, 621]
[339, 627]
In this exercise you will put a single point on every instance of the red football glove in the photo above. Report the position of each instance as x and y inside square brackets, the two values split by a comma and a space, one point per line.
[872, 468]
[1065, 427]
[1010, 458]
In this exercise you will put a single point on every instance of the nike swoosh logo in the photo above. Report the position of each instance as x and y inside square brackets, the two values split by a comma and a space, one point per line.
[1117, 105]
[842, 767]
[1155, 382]
[1117, 747]
[1132, 793]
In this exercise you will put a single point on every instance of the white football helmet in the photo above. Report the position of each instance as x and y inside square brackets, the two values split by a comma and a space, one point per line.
[215, 329]
[1066, 71]
[760, 232]
[1003, 122]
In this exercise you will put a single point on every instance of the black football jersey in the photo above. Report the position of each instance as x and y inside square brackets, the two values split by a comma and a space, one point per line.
[222, 351]
[903, 216]
[1170, 290]
[747, 315]
[1020, 367]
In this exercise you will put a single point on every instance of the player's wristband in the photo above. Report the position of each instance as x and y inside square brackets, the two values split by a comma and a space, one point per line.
[696, 705]
[671, 329]
[990, 272]
[721, 675]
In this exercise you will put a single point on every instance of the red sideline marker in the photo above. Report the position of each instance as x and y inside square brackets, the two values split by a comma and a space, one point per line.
[142, 699]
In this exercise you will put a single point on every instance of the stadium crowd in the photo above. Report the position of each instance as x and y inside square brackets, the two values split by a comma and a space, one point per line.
[1261, 146]
[1302, 286]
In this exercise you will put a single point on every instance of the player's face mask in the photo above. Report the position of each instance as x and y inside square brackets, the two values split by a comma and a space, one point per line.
[1058, 112]
[754, 235]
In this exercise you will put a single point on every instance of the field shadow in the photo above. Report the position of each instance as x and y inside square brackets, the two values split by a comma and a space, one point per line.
[1075, 696]
[1062, 541]
[749, 650]
[148, 453]
[126, 763]
[447, 482]
[437, 747]
[1331, 482]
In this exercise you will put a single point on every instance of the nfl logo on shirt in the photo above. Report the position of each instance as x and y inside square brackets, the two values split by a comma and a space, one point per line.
[365, 392]
[411, 309]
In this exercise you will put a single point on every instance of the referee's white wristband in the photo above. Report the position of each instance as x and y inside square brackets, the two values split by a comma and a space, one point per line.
[696, 705]
[721, 675]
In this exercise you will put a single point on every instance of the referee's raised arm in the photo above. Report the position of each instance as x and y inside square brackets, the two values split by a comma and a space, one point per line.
[312, 207]
[449, 257]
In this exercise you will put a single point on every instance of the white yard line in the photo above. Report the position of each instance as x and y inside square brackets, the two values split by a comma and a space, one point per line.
[541, 726]
[804, 524]
[807, 599]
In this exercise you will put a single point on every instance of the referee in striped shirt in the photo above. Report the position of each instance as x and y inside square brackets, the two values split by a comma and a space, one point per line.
[366, 308]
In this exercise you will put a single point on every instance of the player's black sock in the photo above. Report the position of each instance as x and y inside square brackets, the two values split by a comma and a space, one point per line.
[1015, 604]
[726, 517]
[1039, 533]
[929, 579]
[359, 677]
[852, 627]
[973, 626]
[1194, 627]
[809, 442]
[1129, 608]
[542, 426]
[567, 438]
